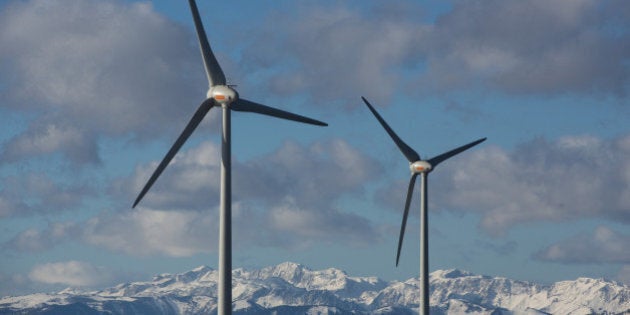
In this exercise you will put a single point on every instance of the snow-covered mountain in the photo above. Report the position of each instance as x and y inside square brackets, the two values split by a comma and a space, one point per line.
[290, 288]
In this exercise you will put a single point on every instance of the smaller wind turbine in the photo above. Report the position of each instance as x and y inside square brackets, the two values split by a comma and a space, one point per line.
[422, 168]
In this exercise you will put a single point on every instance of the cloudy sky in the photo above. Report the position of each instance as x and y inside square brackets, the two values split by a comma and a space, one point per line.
[94, 92]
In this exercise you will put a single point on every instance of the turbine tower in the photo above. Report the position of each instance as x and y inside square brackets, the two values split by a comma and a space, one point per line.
[220, 95]
[422, 168]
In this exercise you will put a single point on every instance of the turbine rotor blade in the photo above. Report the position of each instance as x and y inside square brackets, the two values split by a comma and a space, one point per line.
[410, 154]
[194, 122]
[242, 105]
[213, 69]
[412, 182]
[444, 156]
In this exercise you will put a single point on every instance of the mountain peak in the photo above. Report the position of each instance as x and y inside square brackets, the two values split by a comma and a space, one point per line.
[289, 268]
[450, 274]
[289, 264]
[202, 269]
[292, 288]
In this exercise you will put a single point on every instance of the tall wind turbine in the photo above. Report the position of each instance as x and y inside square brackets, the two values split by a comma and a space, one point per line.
[422, 168]
[220, 95]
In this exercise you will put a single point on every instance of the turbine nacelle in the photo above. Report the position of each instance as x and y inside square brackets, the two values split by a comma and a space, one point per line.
[419, 167]
[222, 94]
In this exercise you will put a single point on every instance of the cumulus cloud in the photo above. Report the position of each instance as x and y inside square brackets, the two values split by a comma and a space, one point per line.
[84, 63]
[532, 46]
[147, 232]
[295, 183]
[577, 177]
[522, 47]
[314, 176]
[72, 273]
[301, 187]
[86, 67]
[35, 240]
[305, 227]
[571, 178]
[604, 245]
[142, 232]
[190, 182]
[338, 52]
[287, 199]
[33, 193]
[44, 139]
[54, 276]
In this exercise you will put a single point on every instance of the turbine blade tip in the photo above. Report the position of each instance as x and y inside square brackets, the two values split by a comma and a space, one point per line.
[366, 101]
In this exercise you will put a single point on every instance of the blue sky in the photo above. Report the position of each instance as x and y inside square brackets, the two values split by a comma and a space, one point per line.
[93, 93]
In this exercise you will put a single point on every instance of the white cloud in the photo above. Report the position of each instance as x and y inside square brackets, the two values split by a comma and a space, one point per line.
[191, 181]
[141, 232]
[295, 183]
[522, 47]
[336, 52]
[116, 68]
[314, 176]
[31, 193]
[50, 139]
[531, 46]
[604, 245]
[145, 232]
[72, 273]
[38, 240]
[288, 198]
[298, 190]
[44, 139]
[93, 67]
[298, 227]
[579, 177]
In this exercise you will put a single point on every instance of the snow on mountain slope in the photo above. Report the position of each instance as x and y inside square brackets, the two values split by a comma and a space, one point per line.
[581, 296]
[291, 288]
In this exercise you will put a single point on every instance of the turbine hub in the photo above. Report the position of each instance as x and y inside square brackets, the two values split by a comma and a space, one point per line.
[420, 167]
[222, 94]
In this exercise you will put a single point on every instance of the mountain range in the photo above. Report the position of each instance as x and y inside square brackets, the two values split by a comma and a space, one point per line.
[291, 288]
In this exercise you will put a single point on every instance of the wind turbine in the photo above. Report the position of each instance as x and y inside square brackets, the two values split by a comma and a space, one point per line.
[422, 168]
[220, 94]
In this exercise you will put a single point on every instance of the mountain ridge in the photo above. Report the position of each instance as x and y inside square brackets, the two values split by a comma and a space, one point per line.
[290, 288]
